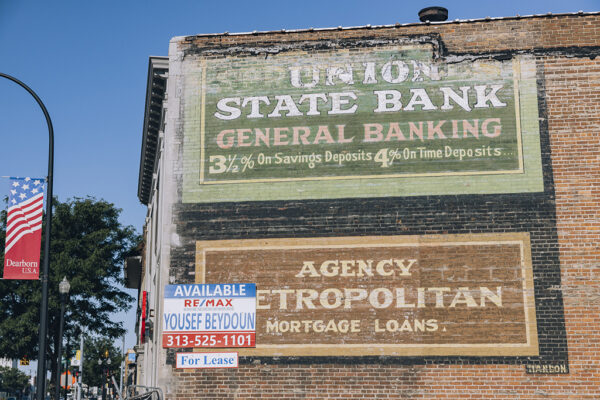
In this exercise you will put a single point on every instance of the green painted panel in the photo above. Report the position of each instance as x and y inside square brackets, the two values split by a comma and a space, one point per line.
[366, 122]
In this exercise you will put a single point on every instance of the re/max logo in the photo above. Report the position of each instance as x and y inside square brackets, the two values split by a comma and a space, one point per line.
[208, 303]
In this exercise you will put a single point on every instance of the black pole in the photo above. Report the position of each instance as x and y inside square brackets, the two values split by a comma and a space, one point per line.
[104, 383]
[67, 360]
[41, 368]
[59, 351]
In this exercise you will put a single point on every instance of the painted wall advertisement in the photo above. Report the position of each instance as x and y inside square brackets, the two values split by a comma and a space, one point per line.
[466, 294]
[367, 122]
[212, 315]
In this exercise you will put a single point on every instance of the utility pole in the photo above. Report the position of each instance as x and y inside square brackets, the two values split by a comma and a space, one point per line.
[80, 378]
[122, 368]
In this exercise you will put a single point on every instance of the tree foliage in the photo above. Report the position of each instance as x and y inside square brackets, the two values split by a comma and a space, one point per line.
[13, 381]
[88, 247]
[94, 349]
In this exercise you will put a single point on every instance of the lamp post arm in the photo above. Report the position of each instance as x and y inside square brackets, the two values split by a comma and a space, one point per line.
[41, 368]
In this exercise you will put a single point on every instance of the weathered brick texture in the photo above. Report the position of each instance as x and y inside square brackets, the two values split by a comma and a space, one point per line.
[563, 222]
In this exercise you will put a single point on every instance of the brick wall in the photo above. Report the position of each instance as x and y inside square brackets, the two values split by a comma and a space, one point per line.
[562, 221]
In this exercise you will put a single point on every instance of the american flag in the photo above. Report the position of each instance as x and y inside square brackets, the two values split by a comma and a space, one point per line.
[23, 228]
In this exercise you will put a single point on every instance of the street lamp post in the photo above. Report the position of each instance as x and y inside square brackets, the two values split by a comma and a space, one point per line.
[104, 375]
[63, 289]
[108, 373]
[41, 368]
[100, 365]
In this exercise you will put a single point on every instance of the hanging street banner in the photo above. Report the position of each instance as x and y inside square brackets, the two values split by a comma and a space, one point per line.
[76, 361]
[427, 295]
[214, 315]
[389, 119]
[24, 228]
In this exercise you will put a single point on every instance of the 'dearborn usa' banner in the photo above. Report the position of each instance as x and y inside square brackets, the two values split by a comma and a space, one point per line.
[24, 228]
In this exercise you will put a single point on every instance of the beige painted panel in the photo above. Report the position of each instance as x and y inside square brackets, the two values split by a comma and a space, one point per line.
[383, 295]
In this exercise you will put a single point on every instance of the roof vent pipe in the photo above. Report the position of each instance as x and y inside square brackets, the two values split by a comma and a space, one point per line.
[433, 14]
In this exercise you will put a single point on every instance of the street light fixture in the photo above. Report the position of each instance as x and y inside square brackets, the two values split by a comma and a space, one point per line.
[63, 289]
[64, 286]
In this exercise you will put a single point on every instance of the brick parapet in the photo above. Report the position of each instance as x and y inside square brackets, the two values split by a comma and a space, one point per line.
[460, 37]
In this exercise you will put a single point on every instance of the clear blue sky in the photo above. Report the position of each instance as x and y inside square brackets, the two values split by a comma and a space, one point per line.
[88, 61]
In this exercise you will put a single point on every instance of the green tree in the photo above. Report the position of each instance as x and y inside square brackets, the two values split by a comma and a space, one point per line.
[13, 381]
[88, 247]
[99, 348]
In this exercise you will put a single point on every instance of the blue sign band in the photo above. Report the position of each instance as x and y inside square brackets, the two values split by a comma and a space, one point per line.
[210, 290]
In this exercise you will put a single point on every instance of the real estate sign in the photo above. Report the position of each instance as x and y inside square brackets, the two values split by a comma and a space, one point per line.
[212, 315]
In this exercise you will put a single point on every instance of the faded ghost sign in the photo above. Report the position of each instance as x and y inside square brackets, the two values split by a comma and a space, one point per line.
[317, 124]
[393, 295]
